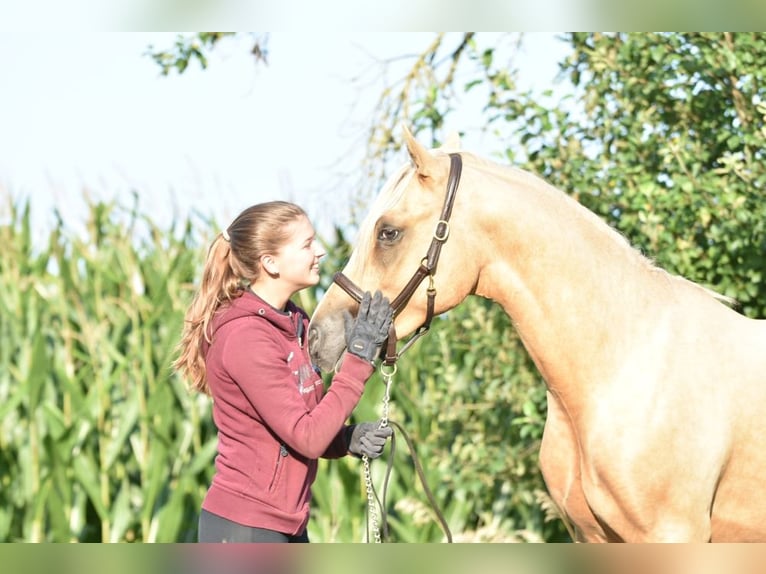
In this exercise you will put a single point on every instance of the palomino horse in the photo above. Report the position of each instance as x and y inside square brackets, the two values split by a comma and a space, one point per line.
[656, 390]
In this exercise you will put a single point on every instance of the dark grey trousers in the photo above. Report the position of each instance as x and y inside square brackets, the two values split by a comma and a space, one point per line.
[213, 528]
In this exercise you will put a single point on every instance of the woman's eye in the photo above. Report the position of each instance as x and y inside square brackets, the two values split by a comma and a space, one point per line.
[388, 234]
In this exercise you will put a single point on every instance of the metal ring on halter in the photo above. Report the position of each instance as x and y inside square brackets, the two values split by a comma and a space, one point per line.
[389, 373]
[445, 234]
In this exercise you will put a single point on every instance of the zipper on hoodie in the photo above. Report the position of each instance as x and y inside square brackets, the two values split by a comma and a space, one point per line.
[299, 330]
[278, 469]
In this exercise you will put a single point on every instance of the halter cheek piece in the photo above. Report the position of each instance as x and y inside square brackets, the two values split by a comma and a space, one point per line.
[427, 268]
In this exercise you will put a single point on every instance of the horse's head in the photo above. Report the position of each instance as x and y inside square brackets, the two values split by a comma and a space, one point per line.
[393, 240]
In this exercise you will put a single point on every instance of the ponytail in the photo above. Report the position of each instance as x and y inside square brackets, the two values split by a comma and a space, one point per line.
[219, 284]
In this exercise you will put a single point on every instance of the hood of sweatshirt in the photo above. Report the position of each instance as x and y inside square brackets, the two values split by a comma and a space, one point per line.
[292, 321]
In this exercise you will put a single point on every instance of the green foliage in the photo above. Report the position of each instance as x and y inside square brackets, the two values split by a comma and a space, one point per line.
[189, 48]
[99, 440]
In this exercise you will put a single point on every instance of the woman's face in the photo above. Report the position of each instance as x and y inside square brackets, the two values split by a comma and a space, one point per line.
[298, 258]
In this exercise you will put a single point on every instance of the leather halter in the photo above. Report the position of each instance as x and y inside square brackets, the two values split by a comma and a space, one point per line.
[427, 268]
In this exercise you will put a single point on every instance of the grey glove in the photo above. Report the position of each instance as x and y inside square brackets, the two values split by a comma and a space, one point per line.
[370, 328]
[367, 439]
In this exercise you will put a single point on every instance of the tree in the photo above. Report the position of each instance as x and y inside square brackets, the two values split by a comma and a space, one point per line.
[196, 47]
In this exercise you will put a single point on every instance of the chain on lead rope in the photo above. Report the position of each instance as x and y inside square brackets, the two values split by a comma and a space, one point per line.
[372, 509]
[374, 520]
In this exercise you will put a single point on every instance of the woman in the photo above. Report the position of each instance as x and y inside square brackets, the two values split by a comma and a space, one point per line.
[244, 343]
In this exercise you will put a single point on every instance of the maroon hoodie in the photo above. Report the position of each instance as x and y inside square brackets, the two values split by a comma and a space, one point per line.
[273, 416]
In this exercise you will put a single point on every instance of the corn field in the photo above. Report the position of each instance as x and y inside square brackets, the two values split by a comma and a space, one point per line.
[101, 442]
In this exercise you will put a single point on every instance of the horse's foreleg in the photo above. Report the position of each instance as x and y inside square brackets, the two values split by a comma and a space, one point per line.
[654, 526]
[560, 466]
[653, 506]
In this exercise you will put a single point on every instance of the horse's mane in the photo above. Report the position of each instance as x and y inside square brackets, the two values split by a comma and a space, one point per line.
[511, 172]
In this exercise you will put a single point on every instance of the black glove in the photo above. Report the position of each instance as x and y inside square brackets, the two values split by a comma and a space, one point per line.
[370, 328]
[367, 439]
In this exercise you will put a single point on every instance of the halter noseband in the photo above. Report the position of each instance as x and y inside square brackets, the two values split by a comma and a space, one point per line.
[427, 268]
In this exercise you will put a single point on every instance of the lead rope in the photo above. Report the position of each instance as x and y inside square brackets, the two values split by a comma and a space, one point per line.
[373, 522]
[372, 509]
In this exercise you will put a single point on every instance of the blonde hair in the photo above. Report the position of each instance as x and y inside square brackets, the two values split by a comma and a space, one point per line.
[232, 263]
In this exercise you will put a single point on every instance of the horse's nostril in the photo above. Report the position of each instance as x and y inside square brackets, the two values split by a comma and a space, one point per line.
[313, 336]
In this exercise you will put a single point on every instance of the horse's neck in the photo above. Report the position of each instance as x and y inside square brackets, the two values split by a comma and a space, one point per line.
[568, 281]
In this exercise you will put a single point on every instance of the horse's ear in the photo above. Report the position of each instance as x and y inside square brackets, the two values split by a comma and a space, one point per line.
[452, 143]
[421, 157]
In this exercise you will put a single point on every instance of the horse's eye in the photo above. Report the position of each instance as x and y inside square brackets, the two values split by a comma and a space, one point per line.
[388, 235]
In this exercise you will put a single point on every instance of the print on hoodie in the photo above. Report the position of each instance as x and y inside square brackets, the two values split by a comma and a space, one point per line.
[304, 374]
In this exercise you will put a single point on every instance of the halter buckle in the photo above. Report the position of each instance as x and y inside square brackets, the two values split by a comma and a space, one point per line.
[442, 224]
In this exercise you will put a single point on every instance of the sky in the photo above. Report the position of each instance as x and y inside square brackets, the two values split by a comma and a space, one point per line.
[89, 114]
